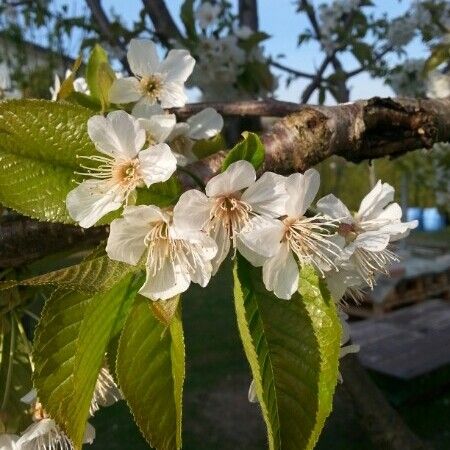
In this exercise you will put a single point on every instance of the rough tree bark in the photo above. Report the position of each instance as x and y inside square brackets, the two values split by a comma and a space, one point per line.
[365, 129]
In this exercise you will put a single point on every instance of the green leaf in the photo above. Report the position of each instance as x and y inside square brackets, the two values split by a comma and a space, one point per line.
[187, 17]
[70, 345]
[253, 41]
[439, 55]
[39, 144]
[160, 194]
[363, 52]
[88, 277]
[293, 350]
[66, 88]
[150, 369]
[15, 376]
[97, 57]
[207, 147]
[251, 149]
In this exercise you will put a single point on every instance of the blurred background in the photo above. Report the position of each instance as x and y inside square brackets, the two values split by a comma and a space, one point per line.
[299, 51]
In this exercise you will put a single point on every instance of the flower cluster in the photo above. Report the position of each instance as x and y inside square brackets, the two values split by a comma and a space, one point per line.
[231, 61]
[269, 220]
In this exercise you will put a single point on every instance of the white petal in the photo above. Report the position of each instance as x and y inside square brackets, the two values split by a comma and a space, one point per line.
[159, 126]
[374, 202]
[178, 66]
[8, 442]
[239, 175]
[142, 57]
[91, 200]
[145, 110]
[126, 240]
[35, 430]
[205, 124]
[173, 95]
[144, 214]
[261, 241]
[281, 273]
[170, 280]
[334, 208]
[180, 129]
[267, 196]
[30, 397]
[125, 90]
[200, 269]
[301, 188]
[118, 135]
[157, 164]
[399, 230]
[89, 434]
[222, 239]
[192, 210]
[372, 241]
[252, 398]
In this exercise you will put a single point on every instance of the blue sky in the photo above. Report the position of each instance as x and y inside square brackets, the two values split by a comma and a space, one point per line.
[278, 19]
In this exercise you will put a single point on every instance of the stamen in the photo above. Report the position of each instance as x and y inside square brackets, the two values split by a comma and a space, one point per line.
[151, 86]
[230, 213]
[308, 238]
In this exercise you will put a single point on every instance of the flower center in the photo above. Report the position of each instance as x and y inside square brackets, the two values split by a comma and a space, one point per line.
[162, 248]
[151, 85]
[308, 238]
[230, 213]
[38, 412]
[349, 231]
[127, 173]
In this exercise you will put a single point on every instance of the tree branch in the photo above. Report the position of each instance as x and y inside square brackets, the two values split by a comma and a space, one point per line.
[248, 14]
[25, 240]
[291, 71]
[165, 27]
[266, 108]
[365, 129]
[104, 26]
[330, 58]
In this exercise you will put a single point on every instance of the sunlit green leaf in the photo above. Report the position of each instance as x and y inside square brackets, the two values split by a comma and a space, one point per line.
[250, 149]
[293, 350]
[40, 142]
[150, 369]
[70, 344]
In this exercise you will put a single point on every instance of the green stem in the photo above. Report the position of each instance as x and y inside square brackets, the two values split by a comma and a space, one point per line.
[10, 364]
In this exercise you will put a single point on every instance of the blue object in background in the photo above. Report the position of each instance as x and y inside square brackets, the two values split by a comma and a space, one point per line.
[433, 220]
[415, 213]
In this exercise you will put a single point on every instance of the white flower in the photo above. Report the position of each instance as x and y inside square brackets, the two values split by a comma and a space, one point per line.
[206, 14]
[296, 236]
[175, 255]
[227, 209]
[367, 234]
[44, 433]
[243, 32]
[162, 127]
[79, 85]
[8, 442]
[154, 80]
[401, 31]
[106, 392]
[438, 84]
[122, 168]
[344, 280]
